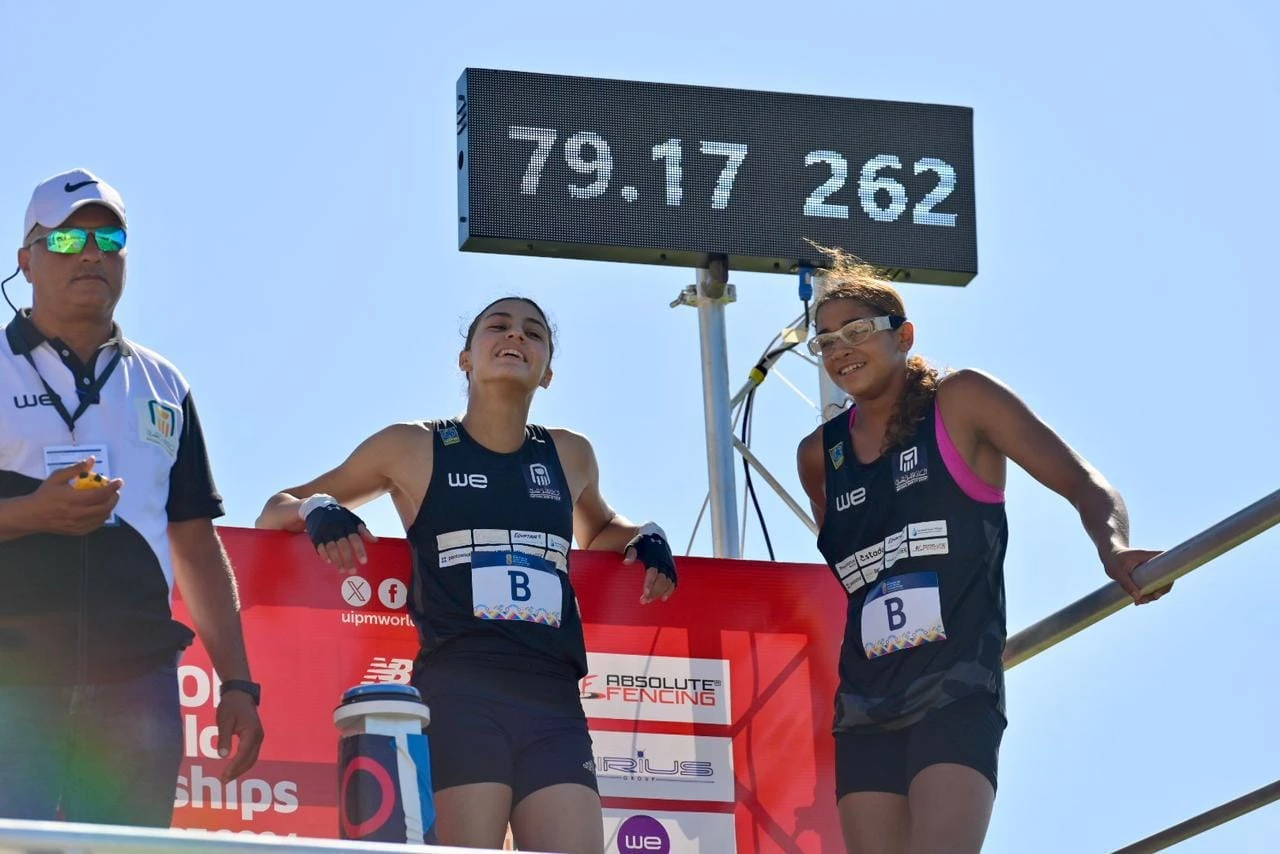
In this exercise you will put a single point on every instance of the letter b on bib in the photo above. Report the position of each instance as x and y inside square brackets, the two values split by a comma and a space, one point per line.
[897, 617]
[520, 590]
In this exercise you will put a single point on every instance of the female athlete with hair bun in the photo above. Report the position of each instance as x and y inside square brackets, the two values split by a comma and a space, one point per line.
[490, 504]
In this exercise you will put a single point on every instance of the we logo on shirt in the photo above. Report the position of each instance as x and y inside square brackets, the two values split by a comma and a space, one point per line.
[23, 401]
[475, 481]
[851, 499]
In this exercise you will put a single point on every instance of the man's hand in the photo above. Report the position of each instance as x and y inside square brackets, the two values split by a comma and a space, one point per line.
[58, 508]
[238, 716]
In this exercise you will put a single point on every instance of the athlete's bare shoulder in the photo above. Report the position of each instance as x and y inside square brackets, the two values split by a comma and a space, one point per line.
[810, 467]
[405, 454]
[577, 458]
[569, 440]
[403, 437]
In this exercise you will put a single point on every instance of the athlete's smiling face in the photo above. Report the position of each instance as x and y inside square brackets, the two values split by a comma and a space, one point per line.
[866, 369]
[510, 340]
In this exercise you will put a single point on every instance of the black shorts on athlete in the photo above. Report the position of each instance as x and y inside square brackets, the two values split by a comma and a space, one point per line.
[522, 730]
[963, 732]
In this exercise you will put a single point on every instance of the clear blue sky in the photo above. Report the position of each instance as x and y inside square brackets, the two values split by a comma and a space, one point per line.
[290, 176]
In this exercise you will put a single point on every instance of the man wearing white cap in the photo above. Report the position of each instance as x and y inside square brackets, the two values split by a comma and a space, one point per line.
[106, 500]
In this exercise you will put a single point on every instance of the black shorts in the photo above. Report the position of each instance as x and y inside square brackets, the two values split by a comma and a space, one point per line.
[964, 732]
[523, 731]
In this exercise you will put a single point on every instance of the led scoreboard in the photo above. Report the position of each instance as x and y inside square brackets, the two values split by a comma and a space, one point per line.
[653, 173]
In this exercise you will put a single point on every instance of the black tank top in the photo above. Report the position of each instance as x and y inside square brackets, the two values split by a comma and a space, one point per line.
[923, 566]
[490, 550]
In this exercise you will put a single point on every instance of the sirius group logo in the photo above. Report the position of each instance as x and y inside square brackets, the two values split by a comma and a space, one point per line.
[665, 767]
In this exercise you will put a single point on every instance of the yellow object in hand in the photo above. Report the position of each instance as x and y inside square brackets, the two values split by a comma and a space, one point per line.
[89, 480]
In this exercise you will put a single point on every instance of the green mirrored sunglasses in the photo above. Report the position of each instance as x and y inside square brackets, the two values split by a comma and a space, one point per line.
[71, 241]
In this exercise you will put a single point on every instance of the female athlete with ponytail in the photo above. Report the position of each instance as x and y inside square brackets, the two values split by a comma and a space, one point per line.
[908, 490]
[490, 504]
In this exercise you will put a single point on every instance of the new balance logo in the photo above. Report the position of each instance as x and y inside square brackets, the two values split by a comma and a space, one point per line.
[851, 499]
[397, 670]
[24, 400]
[907, 461]
[476, 481]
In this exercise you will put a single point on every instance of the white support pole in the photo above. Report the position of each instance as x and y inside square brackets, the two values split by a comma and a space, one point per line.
[712, 293]
[755, 463]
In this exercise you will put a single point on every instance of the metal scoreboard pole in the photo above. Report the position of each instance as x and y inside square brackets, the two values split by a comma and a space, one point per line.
[713, 292]
[710, 295]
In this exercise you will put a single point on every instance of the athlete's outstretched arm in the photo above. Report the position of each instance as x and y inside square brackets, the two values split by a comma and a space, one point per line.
[363, 476]
[598, 527]
[977, 407]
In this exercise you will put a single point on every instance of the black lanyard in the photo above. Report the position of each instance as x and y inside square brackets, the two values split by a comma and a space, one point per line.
[88, 395]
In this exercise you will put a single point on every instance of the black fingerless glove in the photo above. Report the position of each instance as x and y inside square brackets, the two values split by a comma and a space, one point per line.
[653, 551]
[331, 523]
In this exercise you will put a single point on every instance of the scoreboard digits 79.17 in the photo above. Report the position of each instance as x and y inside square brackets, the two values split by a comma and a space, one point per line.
[612, 170]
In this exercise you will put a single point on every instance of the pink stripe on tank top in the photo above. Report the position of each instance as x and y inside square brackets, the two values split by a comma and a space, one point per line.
[972, 485]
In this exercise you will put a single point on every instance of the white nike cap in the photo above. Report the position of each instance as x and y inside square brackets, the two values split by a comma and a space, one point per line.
[54, 199]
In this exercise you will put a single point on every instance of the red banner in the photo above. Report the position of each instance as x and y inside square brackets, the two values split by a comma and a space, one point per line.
[710, 713]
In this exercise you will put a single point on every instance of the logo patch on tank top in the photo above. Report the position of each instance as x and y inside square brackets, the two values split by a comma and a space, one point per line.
[837, 455]
[910, 467]
[449, 436]
[541, 482]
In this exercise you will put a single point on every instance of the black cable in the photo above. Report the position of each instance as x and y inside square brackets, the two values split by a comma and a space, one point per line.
[746, 472]
[758, 374]
[6, 293]
[761, 368]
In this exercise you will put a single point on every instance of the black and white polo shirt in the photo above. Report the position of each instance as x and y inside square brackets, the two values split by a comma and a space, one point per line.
[96, 608]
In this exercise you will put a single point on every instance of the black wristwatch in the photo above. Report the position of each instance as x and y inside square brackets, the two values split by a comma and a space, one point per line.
[253, 689]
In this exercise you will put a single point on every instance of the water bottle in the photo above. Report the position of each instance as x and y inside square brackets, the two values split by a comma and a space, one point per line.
[384, 765]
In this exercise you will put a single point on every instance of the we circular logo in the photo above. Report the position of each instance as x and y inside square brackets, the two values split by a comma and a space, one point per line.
[643, 833]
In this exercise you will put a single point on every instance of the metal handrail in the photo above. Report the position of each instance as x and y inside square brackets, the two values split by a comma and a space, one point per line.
[56, 837]
[1205, 821]
[1152, 575]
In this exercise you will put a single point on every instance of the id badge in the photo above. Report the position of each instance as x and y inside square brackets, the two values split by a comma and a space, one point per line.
[60, 456]
[515, 586]
[902, 612]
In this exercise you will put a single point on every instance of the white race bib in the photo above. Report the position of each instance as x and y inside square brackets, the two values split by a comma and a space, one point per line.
[515, 586]
[902, 612]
